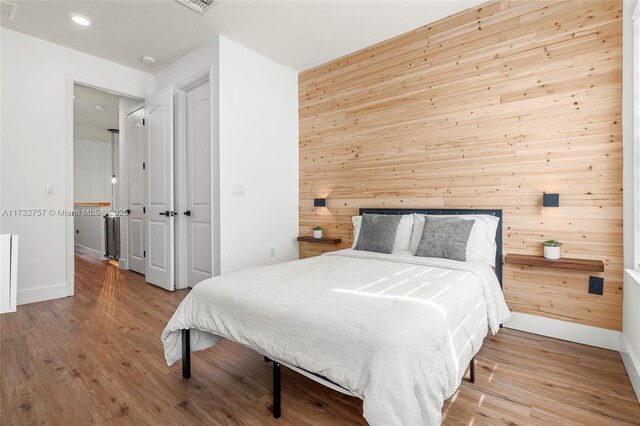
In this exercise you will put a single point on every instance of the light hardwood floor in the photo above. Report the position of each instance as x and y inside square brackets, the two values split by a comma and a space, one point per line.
[96, 358]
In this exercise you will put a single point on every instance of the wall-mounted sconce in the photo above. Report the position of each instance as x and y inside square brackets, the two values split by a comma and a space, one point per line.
[550, 200]
[319, 202]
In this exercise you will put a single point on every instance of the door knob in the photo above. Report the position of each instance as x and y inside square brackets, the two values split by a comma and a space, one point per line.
[187, 213]
[167, 213]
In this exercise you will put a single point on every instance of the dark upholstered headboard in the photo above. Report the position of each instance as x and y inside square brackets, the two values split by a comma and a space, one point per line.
[497, 213]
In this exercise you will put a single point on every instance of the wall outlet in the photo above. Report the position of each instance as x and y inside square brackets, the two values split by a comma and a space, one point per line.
[49, 189]
[272, 252]
[238, 190]
[596, 285]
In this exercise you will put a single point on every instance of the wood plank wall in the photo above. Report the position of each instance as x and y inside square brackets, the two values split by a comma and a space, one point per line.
[488, 108]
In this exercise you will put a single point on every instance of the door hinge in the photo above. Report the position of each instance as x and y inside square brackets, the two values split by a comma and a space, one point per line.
[143, 122]
[144, 210]
[144, 166]
[144, 253]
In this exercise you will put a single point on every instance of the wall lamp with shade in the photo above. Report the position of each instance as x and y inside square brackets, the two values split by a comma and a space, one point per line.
[550, 200]
[319, 202]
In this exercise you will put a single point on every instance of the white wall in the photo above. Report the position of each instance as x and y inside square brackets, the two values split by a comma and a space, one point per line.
[258, 150]
[203, 57]
[256, 113]
[92, 170]
[89, 228]
[92, 184]
[630, 342]
[33, 96]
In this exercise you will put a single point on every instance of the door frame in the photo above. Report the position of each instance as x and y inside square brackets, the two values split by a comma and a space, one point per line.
[201, 77]
[72, 80]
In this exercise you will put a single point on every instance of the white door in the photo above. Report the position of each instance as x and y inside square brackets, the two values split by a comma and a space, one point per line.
[198, 184]
[135, 159]
[160, 202]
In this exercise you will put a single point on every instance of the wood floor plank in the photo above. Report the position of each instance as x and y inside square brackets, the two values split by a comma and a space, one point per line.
[96, 358]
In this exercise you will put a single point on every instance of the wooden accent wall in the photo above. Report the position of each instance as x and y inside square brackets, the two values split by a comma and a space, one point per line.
[488, 108]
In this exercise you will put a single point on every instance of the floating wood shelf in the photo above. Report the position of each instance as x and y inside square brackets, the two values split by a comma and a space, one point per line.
[323, 240]
[564, 263]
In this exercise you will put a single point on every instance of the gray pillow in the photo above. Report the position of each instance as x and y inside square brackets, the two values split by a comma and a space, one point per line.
[378, 232]
[445, 237]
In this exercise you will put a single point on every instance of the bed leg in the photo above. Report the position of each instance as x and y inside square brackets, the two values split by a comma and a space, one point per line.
[276, 390]
[186, 354]
[472, 370]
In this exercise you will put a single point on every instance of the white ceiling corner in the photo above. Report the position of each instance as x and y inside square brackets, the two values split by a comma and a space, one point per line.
[296, 34]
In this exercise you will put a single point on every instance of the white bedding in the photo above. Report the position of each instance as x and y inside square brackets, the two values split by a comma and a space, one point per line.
[396, 330]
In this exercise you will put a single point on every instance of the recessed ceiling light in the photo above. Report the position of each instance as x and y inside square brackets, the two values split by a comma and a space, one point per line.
[100, 108]
[81, 20]
[149, 60]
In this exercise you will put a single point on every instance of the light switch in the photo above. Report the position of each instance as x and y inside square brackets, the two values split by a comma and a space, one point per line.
[238, 190]
[49, 189]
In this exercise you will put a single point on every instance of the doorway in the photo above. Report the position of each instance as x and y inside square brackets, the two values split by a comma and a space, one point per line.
[164, 194]
[96, 153]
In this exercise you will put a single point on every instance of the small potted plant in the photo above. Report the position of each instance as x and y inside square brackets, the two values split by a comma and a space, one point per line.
[551, 249]
[317, 232]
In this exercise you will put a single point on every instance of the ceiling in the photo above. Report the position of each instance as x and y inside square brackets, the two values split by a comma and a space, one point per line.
[88, 121]
[297, 34]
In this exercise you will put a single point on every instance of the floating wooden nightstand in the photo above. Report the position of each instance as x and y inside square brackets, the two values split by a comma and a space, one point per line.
[324, 240]
[564, 263]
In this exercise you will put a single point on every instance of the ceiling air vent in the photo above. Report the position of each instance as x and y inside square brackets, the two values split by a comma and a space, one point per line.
[8, 10]
[199, 6]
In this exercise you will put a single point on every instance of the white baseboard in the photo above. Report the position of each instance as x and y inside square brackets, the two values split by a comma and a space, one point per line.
[585, 334]
[40, 294]
[87, 249]
[632, 364]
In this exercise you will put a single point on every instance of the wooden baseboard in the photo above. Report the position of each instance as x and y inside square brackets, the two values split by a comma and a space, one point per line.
[578, 333]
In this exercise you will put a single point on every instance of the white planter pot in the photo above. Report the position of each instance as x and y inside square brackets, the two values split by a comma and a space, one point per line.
[317, 234]
[552, 253]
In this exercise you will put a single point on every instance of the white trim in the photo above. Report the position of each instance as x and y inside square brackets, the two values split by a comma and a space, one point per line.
[635, 149]
[82, 248]
[578, 333]
[72, 79]
[632, 364]
[634, 276]
[89, 252]
[40, 294]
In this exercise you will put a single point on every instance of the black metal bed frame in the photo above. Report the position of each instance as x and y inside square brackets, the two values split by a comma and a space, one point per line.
[277, 366]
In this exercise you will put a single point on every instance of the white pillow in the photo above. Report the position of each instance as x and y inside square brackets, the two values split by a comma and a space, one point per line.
[403, 234]
[482, 239]
[357, 222]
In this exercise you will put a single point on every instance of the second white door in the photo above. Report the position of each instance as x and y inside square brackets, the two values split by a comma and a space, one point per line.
[197, 189]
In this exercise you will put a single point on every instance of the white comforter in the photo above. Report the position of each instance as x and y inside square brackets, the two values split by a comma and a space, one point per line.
[397, 330]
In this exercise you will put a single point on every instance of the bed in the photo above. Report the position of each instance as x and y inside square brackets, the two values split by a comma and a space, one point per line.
[396, 330]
